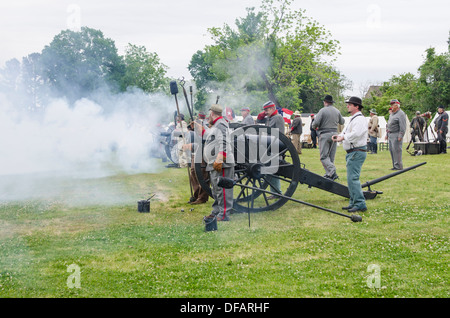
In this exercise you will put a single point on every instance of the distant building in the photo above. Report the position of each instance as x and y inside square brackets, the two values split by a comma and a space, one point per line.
[373, 91]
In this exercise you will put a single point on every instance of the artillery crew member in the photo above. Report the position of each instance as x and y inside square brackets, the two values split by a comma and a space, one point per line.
[180, 135]
[395, 129]
[296, 131]
[441, 127]
[326, 123]
[313, 133]
[199, 195]
[219, 158]
[274, 119]
[417, 125]
[203, 119]
[373, 131]
[354, 142]
[247, 118]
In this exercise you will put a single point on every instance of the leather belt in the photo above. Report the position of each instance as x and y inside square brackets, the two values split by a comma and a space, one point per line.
[356, 149]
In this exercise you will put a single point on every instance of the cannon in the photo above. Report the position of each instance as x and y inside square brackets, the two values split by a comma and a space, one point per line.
[258, 150]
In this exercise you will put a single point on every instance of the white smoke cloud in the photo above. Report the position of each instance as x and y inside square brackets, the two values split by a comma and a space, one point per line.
[101, 136]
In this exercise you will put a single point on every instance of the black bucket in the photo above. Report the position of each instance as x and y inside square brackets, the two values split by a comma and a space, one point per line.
[210, 224]
[144, 206]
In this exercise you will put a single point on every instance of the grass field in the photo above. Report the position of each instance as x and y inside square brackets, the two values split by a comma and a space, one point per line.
[400, 249]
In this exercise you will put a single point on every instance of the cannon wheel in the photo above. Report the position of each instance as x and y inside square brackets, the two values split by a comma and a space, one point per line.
[248, 174]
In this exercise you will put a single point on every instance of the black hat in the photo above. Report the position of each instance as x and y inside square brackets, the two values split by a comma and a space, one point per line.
[441, 106]
[355, 101]
[328, 99]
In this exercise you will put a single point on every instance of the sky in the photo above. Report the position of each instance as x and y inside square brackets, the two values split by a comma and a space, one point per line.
[378, 38]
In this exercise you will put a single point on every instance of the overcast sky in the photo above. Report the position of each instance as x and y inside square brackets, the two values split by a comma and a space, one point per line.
[378, 38]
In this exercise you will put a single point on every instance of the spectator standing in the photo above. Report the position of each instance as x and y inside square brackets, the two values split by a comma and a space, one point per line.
[296, 131]
[373, 131]
[395, 129]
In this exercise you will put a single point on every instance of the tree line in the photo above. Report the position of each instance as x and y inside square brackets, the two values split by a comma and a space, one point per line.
[423, 92]
[76, 64]
[273, 52]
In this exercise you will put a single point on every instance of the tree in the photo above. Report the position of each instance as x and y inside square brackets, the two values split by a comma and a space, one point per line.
[143, 70]
[423, 93]
[77, 63]
[10, 75]
[32, 81]
[276, 54]
[435, 79]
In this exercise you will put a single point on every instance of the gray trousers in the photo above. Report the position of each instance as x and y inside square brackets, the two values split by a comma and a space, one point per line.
[327, 152]
[395, 148]
[223, 198]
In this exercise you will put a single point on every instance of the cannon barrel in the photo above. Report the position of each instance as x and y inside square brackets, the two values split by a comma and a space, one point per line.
[253, 143]
[369, 183]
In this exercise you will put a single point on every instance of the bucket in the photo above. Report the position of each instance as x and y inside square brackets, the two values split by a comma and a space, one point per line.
[144, 206]
[210, 224]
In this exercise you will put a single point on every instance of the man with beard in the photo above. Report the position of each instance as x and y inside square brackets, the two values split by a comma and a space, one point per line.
[219, 158]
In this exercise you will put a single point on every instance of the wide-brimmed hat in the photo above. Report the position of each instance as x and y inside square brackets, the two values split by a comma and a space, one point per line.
[297, 113]
[373, 111]
[355, 101]
[328, 99]
[216, 108]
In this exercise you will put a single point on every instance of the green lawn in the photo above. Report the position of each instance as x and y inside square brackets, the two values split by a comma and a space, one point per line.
[295, 251]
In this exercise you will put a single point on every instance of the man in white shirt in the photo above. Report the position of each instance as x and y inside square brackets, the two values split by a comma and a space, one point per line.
[354, 142]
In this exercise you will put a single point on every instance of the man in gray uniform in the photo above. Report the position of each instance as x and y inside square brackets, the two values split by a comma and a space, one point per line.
[326, 123]
[219, 159]
[441, 125]
[247, 118]
[273, 120]
[395, 129]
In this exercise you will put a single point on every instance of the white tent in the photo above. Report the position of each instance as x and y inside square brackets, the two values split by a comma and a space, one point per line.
[430, 135]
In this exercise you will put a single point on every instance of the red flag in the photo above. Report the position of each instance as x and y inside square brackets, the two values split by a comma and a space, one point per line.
[287, 113]
[229, 113]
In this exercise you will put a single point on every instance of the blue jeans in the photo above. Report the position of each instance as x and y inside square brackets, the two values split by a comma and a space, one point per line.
[355, 161]
[373, 144]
